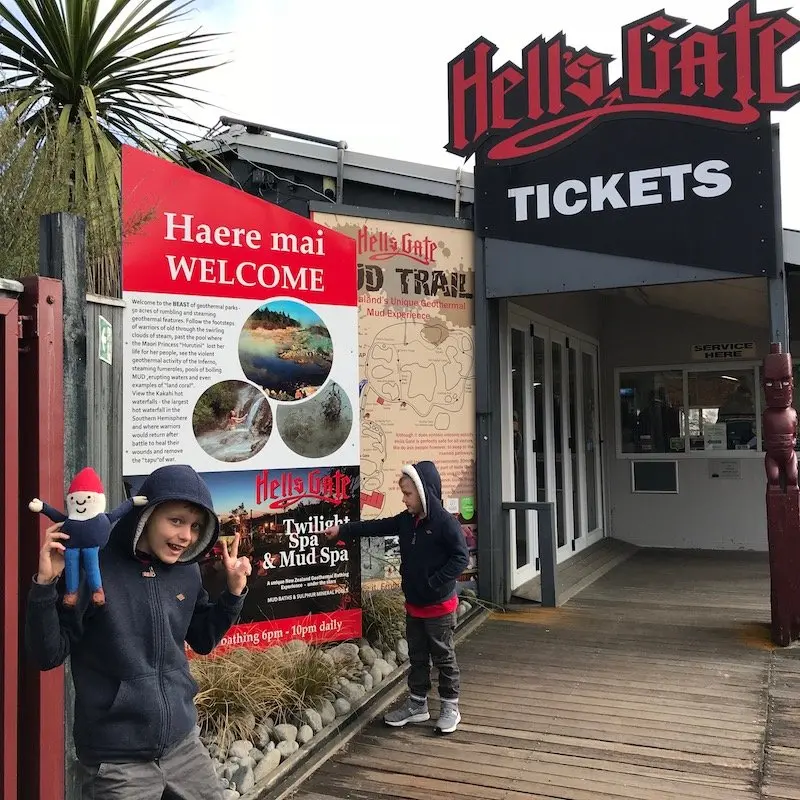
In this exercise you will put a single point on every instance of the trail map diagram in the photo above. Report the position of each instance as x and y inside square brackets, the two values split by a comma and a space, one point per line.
[418, 369]
[422, 365]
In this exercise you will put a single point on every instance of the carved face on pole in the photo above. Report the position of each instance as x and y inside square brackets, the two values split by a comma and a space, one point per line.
[778, 380]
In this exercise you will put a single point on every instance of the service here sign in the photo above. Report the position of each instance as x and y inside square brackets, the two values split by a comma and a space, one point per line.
[724, 351]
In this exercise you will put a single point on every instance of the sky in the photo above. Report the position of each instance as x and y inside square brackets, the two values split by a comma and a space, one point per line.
[375, 75]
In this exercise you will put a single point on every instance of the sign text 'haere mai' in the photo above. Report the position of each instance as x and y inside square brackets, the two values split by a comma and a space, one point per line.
[729, 76]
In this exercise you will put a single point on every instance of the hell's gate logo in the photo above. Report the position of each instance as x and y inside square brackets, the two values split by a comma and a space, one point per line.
[730, 76]
[382, 246]
[287, 488]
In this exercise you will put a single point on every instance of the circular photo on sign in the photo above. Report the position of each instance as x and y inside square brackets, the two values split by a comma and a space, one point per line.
[232, 421]
[318, 427]
[286, 349]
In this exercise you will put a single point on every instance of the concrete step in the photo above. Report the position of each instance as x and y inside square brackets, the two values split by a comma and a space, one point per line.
[580, 571]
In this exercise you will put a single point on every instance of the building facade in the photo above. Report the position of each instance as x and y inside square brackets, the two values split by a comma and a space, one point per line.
[625, 287]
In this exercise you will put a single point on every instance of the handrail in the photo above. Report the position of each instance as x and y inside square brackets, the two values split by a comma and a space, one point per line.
[547, 545]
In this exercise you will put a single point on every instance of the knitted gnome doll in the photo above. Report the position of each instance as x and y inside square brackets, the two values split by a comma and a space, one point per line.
[88, 528]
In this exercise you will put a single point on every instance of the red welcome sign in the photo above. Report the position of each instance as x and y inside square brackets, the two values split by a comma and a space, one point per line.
[192, 235]
[241, 359]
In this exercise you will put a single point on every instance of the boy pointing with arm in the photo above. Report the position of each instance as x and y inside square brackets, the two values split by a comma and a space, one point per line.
[433, 553]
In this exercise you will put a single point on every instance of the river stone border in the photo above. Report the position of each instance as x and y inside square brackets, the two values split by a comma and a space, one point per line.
[298, 752]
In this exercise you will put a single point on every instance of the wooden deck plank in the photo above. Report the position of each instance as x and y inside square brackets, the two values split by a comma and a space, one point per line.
[782, 761]
[570, 783]
[515, 763]
[608, 702]
[686, 723]
[656, 682]
[712, 765]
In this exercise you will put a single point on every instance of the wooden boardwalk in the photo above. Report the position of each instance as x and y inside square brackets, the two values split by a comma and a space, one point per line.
[657, 682]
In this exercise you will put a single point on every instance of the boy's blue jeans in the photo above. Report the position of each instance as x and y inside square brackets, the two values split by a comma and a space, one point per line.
[72, 568]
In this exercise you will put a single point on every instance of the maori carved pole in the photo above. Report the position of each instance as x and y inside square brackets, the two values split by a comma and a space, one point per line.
[783, 495]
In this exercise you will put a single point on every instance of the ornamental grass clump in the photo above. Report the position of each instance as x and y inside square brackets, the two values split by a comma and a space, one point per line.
[241, 688]
[384, 616]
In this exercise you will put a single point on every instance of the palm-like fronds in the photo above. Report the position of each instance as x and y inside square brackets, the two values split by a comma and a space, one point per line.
[75, 85]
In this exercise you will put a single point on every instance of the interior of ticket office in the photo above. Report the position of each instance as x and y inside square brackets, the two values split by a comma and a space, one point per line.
[634, 406]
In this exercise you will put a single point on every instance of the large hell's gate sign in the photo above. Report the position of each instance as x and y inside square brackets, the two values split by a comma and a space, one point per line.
[729, 76]
[680, 142]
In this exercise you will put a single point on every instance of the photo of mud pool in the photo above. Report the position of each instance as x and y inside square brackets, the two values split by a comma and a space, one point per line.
[285, 348]
[320, 425]
[232, 421]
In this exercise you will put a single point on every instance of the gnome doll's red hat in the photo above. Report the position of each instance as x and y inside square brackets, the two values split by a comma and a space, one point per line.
[87, 480]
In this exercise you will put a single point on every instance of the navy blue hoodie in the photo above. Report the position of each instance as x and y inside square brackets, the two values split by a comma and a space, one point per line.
[134, 694]
[433, 550]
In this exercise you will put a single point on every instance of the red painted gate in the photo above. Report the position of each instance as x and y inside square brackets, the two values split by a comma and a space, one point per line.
[9, 543]
[31, 465]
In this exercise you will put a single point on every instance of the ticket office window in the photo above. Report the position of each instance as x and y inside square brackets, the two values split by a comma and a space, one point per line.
[689, 411]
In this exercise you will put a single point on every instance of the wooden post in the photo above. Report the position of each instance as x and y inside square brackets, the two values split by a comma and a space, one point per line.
[783, 527]
[62, 250]
[779, 427]
[41, 474]
[62, 256]
[494, 547]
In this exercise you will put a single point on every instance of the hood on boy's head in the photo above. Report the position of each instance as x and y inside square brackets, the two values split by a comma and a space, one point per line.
[427, 482]
[175, 483]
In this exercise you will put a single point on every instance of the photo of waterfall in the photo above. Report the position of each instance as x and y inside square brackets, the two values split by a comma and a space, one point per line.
[232, 421]
[285, 348]
[319, 426]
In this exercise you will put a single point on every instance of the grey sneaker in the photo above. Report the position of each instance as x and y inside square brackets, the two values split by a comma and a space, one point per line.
[413, 711]
[449, 717]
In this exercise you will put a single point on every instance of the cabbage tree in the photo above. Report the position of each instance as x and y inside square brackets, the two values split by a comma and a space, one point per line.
[75, 84]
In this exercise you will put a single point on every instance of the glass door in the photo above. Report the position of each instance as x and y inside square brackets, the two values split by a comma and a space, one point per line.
[561, 464]
[552, 440]
[541, 440]
[574, 439]
[590, 441]
[523, 523]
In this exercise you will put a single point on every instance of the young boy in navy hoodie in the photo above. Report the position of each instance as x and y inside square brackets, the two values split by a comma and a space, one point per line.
[433, 553]
[135, 718]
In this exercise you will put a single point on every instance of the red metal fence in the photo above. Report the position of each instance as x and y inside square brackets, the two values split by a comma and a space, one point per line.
[31, 465]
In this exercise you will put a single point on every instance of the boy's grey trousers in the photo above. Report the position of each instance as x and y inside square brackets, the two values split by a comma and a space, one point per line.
[431, 641]
[184, 773]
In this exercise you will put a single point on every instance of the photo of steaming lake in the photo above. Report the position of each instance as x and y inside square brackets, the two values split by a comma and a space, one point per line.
[286, 349]
[318, 427]
[232, 421]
